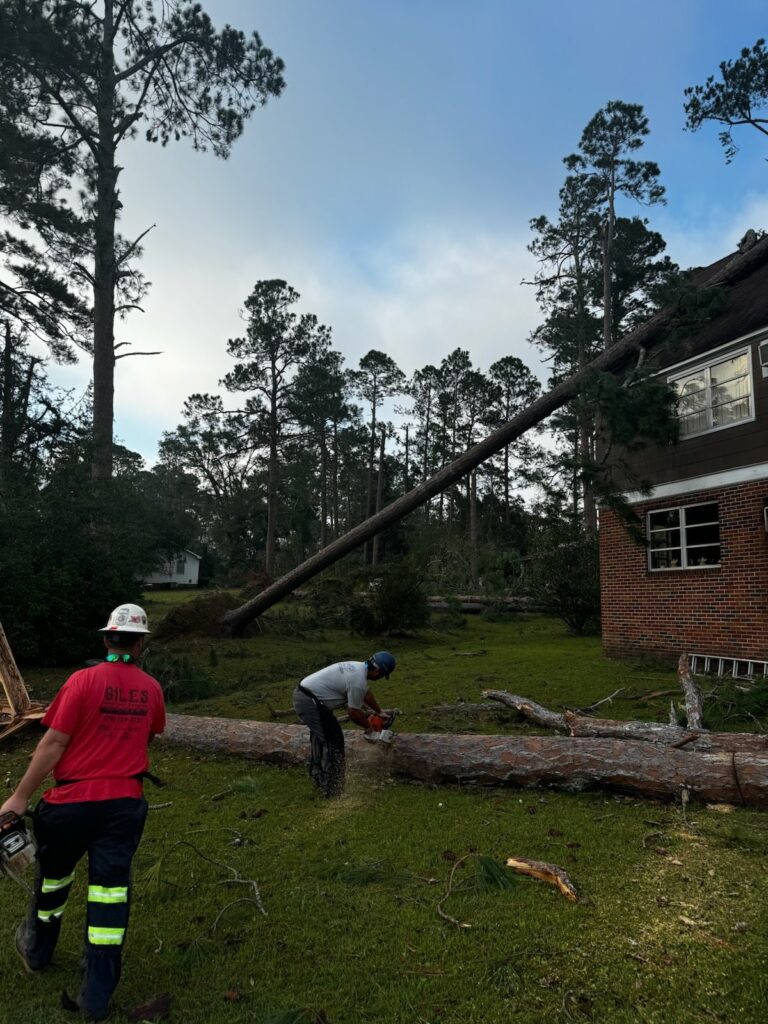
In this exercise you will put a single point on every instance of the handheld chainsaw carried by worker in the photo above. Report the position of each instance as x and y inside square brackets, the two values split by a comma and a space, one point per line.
[17, 848]
[380, 727]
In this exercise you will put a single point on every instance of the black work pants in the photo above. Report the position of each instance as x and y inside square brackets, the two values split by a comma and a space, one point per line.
[109, 831]
[326, 740]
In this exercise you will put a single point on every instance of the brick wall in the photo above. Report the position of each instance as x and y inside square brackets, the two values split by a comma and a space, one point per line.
[721, 611]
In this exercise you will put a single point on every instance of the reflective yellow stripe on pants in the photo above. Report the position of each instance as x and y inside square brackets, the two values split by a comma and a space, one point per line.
[46, 915]
[105, 936]
[54, 884]
[107, 894]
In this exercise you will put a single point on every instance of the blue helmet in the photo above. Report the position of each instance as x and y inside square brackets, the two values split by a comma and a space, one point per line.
[384, 662]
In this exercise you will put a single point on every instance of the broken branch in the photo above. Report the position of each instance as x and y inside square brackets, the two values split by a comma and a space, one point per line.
[550, 873]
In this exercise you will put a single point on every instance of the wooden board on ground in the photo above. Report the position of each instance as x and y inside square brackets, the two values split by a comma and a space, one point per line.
[16, 710]
[9, 726]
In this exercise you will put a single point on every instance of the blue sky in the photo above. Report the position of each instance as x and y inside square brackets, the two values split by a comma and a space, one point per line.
[393, 182]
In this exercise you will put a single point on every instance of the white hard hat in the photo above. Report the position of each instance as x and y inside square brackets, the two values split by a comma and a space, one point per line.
[127, 618]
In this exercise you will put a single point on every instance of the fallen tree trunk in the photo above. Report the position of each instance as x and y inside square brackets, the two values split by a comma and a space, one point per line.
[647, 732]
[529, 709]
[574, 763]
[667, 735]
[610, 360]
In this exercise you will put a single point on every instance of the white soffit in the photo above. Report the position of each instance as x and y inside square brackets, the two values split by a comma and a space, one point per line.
[728, 477]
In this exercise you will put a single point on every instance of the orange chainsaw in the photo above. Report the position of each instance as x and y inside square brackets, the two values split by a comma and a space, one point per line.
[380, 727]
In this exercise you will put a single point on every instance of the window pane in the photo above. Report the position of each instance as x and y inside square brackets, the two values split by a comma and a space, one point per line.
[665, 559]
[664, 520]
[701, 513]
[711, 397]
[704, 556]
[730, 390]
[729, 369]
[693, 384]
[666, 539]
[731, 412]
[694, 424]
[702, 535]
[693, 395]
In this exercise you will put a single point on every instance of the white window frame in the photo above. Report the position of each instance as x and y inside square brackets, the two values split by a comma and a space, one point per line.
[718, 356]
[681, 509]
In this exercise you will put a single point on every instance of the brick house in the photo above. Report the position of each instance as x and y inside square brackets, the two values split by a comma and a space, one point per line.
[701, 584]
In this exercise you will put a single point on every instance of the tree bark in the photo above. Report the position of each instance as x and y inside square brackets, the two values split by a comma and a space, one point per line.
[371, 456]
[7, 416]
[104, 269]
[694, 713]
[323, 489]
[335, 481]
[406, 471]
[272, 474]
[529, 709]
[642, 769]
[668, 735]
[473, 554]
[610, 360]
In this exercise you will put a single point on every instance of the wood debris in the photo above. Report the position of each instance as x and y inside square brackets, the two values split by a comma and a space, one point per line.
[550, 873]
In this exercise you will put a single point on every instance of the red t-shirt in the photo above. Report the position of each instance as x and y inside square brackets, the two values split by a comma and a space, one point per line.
[110, 712]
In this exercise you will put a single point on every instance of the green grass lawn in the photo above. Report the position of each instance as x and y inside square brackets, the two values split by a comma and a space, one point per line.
[670, 927]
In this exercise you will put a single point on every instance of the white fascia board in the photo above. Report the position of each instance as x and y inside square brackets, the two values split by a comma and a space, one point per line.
[704, 356]
[728, 477]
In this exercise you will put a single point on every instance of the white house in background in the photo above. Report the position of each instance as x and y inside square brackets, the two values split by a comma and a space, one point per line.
[182, 570]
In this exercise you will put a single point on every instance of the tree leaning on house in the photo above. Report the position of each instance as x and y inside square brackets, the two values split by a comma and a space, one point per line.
[95, 75]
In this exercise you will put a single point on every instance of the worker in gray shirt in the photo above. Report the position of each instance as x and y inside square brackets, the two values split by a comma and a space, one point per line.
[343, 685]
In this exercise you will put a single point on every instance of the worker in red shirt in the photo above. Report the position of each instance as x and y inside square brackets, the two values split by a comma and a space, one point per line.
[99, 727]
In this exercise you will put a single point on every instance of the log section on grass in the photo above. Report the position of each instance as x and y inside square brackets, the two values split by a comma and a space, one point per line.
[575, 763]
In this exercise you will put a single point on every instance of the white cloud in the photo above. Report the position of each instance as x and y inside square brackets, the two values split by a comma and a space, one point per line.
[416, 298]
[715, 231]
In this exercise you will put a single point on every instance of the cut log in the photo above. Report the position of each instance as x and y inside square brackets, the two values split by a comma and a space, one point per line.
[574, 763]
[550, 873]
[694, 713]
[611, 360]
[668, 735]
[529, 709]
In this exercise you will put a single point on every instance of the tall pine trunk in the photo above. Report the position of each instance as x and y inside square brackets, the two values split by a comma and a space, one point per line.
[368, 511]
[379, 498]
[608, 230]
[272, 479]
[323, 489]
[335, 481]
[473, 547]
[104, 269]
[7, 415]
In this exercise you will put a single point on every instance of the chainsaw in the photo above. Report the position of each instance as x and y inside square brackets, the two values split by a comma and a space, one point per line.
[17, 848]
[380, 727]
